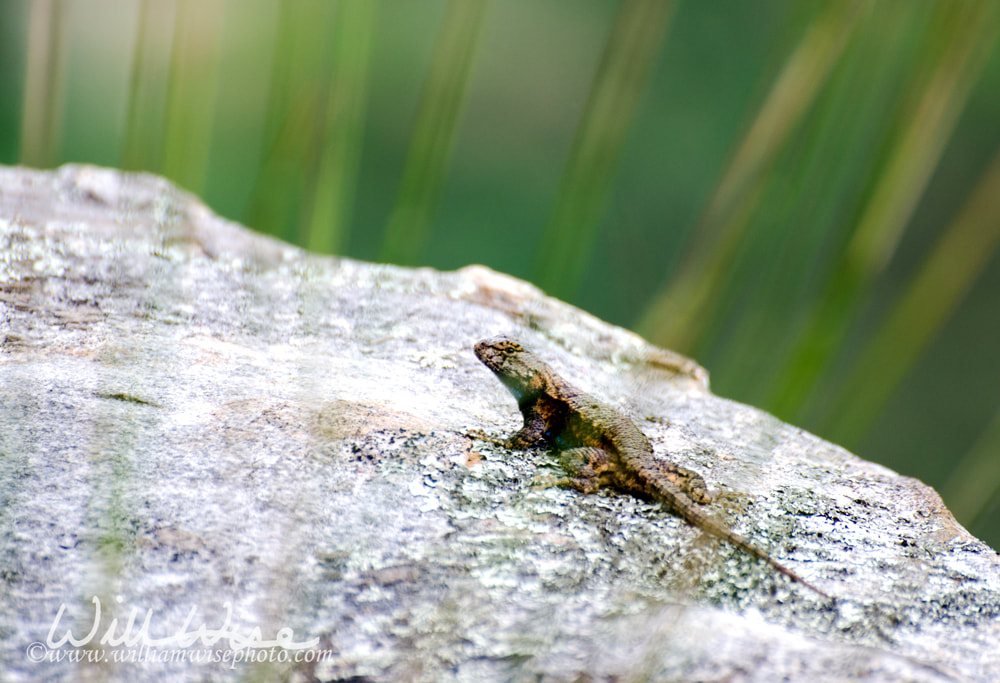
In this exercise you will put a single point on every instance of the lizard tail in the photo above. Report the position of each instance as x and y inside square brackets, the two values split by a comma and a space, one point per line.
[795, 577]
[702, 521]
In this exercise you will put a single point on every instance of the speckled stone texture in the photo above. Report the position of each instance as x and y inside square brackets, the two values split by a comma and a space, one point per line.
[204, 428]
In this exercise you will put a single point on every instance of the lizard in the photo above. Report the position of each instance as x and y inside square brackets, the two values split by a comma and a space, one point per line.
[599, 446]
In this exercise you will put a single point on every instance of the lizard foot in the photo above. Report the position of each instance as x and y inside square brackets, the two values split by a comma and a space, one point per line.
[483, 436]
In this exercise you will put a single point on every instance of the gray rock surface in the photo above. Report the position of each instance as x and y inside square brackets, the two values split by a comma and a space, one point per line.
[203, 428]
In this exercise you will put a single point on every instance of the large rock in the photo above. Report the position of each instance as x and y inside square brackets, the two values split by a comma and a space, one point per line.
[203, 428]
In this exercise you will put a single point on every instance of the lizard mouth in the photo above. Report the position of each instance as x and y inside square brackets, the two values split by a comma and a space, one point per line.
[486, 354]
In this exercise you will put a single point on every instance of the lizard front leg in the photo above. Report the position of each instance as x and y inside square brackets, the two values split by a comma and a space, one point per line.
[527, 436]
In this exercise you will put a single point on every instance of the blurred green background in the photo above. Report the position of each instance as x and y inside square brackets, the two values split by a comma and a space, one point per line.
[802, 195]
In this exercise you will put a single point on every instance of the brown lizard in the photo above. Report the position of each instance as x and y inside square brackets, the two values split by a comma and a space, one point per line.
[598, 445]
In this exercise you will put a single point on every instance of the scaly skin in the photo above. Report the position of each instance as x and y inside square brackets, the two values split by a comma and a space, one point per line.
[599, 446]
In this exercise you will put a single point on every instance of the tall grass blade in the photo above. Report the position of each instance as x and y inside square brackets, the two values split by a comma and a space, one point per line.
[629, 55]
[328, 208]
[297, 91]
[679, 315]
[191, 91]
[956, 45]
[809, 200]
[975, 483]
[433, 132]
[44, 85]
[950, 270]
[145, 122]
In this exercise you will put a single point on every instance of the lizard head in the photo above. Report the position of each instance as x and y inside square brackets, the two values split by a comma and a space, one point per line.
[514, 365]
[499, 353]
